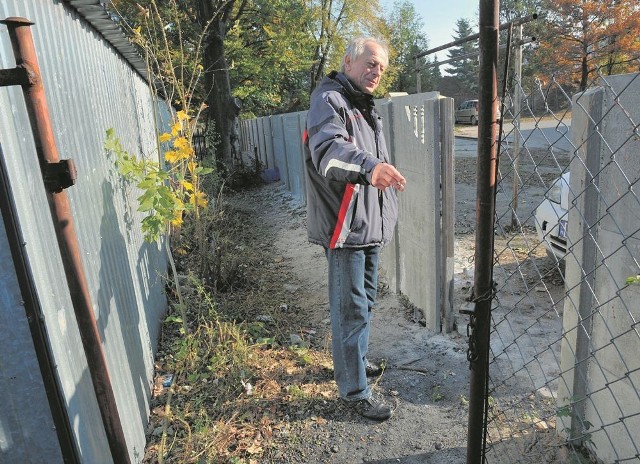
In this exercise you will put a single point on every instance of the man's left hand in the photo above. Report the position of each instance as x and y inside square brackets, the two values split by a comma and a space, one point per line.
[385, 175]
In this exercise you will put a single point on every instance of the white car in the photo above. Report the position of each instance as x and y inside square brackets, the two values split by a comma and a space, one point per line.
[552, 218]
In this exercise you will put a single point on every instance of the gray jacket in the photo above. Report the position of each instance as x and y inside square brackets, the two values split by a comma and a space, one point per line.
[343, 143]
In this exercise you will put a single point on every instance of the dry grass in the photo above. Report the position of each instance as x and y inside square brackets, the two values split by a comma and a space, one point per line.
[239, 387]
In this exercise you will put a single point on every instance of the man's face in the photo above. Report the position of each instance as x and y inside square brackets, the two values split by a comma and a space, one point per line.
[366, 70]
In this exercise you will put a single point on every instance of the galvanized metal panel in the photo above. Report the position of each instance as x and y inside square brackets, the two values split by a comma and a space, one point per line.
[23, 437]
[89, 88]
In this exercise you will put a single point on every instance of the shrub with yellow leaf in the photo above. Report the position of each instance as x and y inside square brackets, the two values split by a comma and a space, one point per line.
[169, 191]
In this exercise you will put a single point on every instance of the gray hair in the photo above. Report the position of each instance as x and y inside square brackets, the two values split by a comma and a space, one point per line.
[356, 48]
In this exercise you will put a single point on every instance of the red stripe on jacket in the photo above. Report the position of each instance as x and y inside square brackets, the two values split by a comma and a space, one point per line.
[344, 207]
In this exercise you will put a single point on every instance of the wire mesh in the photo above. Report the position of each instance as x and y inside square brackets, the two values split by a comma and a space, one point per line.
[564, 370]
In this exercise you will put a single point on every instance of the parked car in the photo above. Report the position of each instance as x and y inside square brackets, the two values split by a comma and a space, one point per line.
[552, 216]
[467, 111]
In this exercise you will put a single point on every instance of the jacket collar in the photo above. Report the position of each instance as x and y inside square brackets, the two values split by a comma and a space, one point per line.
[351, 91]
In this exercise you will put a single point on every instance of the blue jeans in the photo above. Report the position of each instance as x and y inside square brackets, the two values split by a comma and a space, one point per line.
[353, 282]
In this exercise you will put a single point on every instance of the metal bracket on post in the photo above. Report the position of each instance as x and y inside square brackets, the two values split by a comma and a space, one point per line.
[14, 76]
[59, 176]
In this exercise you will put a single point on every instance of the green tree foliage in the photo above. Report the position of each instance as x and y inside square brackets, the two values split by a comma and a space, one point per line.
[271, 52]
[433, 77]
[465, 67]
[511, 10]
[254, 57]
[195, 59]
[333, 23]
[406, 40]
[165, 34]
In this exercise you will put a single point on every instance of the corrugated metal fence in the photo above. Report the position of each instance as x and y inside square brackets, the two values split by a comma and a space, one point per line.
[89, 88]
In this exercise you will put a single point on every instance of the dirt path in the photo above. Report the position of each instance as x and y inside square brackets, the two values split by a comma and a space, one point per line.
[426, 378]
[427, 374]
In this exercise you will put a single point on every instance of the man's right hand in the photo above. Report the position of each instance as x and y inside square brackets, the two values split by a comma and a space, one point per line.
[385, 175]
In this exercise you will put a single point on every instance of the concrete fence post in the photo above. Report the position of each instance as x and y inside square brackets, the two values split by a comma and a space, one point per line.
[581, 263]
[448, 188]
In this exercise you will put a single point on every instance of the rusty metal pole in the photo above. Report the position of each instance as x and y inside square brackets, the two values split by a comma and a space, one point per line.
[58, 175]
[485, 211]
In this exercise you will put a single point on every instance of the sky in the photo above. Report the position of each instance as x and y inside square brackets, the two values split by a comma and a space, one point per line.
[439, 18]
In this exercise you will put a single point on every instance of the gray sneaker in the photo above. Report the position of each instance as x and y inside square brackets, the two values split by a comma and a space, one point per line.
[371, 408]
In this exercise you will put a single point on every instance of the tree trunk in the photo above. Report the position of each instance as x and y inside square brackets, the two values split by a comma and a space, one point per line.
[223, 108]
[584, 73]
[317, 72]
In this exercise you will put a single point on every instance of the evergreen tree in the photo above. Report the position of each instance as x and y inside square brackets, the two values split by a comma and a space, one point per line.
[465, 68]
[511, 10]
[430, 75]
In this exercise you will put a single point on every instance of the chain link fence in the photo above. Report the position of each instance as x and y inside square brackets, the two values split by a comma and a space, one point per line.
[564, 364]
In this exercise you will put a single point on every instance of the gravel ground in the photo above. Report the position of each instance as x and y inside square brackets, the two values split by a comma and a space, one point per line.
[427, 375]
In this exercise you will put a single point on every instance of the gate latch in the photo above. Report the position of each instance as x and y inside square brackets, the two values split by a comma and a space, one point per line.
[60, 175]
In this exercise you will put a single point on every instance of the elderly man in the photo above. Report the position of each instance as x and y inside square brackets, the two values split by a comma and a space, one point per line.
[351, 208]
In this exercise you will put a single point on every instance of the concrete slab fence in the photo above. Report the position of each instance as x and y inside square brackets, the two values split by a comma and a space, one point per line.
[419, 132]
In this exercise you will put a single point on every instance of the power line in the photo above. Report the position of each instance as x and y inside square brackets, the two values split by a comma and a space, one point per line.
[469, 38]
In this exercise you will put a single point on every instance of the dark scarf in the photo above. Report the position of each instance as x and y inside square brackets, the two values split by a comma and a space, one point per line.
[362, 101]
